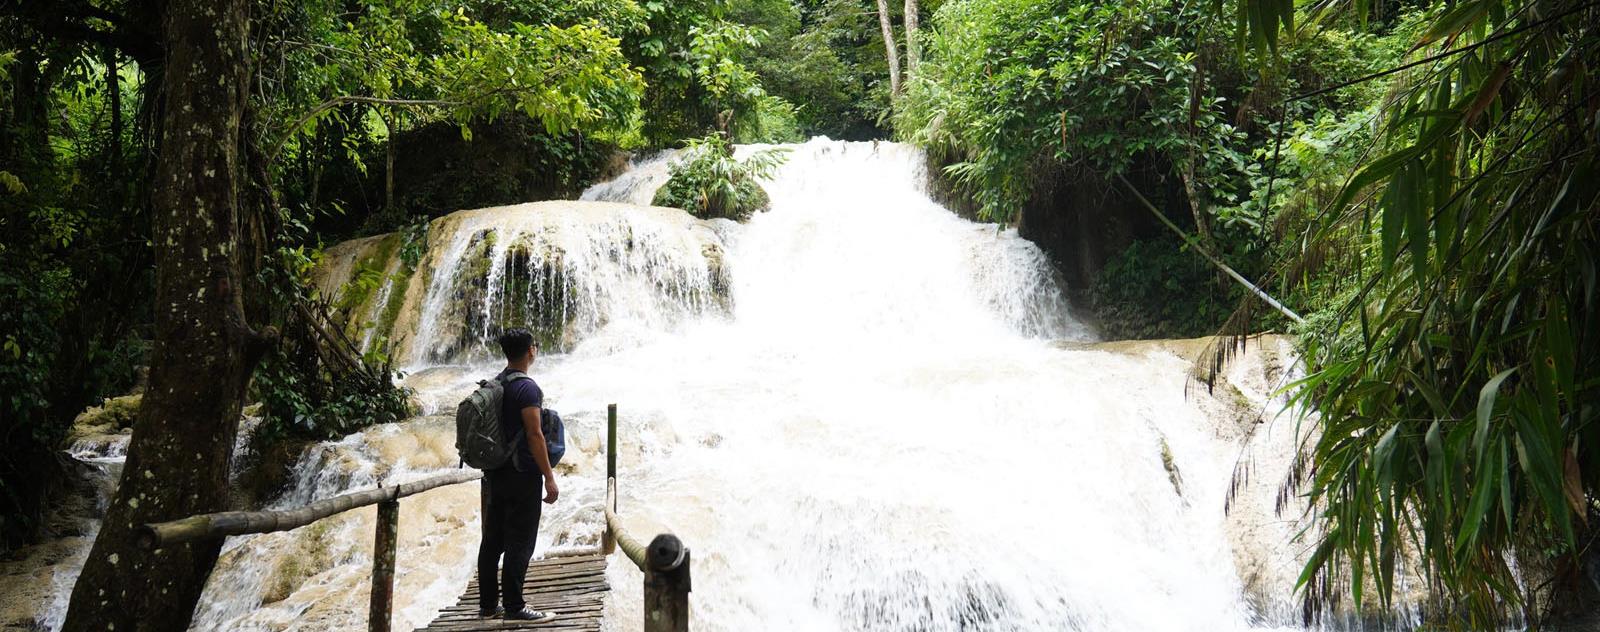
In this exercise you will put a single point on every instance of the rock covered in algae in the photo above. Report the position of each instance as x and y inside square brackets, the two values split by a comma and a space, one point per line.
[561, 269]
[111, 417]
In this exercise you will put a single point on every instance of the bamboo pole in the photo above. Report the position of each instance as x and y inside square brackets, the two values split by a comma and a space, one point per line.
[1262, 294]
[666, 585]
[608, 540]
[631, 547]
[386, 533]
[611, 441]
[215, 525]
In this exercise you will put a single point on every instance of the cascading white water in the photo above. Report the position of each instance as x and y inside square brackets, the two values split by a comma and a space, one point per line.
[856, 409]
[882, 437]
[638, 184]
[564, 271]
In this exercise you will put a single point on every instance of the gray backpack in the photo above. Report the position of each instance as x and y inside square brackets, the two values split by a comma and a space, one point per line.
[478, 435]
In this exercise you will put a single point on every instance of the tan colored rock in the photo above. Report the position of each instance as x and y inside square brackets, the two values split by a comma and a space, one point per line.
[109, 418]
[32, 579]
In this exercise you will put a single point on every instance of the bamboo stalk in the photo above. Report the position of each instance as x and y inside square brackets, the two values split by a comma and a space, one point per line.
[215, 525]
[631, 547]
[608, 540]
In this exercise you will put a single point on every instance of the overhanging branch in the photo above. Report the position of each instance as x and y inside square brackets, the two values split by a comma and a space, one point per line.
[1262, 294]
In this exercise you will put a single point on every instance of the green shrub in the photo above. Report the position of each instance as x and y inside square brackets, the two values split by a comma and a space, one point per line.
[1156, 289]
[324, 406]
[711, 183]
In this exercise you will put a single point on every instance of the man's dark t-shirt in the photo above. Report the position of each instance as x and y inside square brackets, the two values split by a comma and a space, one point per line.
[519, 394]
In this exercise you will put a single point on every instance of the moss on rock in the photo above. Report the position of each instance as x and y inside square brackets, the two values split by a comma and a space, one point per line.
[110, 417]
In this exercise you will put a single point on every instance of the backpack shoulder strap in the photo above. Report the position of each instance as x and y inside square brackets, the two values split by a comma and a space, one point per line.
[514, 376]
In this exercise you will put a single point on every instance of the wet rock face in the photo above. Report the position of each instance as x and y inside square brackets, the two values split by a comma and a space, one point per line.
[1266, 521]
[562, 270]
[32, 580]
[530, 290]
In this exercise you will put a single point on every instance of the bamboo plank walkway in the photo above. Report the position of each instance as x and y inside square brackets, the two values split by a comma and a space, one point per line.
[573, 588]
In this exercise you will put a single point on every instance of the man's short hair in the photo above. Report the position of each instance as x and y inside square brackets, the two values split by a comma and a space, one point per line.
[516, 343]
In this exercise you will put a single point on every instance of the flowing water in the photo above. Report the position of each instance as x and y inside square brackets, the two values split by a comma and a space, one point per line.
[860, 411]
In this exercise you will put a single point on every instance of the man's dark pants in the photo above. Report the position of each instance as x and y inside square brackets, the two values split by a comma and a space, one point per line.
[510, 519]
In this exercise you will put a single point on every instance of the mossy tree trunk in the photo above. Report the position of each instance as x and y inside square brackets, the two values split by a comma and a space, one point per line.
[204, 350]
[890, 50]
[913, 48]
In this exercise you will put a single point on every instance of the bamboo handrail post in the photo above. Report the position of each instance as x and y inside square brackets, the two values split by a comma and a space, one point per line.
[608, 540]
[666, 585]
[386, 533]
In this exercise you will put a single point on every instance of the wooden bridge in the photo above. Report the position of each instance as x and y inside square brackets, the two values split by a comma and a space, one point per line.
[572, 586]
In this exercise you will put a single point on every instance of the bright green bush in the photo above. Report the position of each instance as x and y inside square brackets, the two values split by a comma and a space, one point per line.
[711, 183]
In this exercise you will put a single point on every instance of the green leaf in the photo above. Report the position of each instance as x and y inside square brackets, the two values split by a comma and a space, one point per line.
[1454, 21]
[1483, 495]
[1486, 399]
[1544, 469]
[1377, 171]
[1416, 213]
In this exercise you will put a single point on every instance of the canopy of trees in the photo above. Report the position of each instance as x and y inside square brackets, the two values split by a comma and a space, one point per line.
[1416, 178]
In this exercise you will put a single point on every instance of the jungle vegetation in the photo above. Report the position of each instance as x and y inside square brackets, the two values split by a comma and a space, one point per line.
[1415, 178]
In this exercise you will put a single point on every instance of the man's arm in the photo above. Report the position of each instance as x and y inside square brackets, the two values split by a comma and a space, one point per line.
[532, 427]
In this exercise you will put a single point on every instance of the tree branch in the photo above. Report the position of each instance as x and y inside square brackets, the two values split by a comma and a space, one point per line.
[344, 100]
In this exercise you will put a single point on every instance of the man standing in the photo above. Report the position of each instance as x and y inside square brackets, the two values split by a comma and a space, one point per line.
[511, 493]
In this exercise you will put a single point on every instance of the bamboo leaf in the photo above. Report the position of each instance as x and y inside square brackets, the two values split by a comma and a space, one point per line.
[1483, 494]
[1392, 229]
[1505, 484]
[1318, 559]
[1383, 457]
[1543, 468]
[1373, 173]
[1487, 93]
[1486, 399]
[1453, 22]
[1559, 346]
[1572, 483]
[1416, 213]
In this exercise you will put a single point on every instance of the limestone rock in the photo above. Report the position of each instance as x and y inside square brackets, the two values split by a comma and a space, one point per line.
[109, 418]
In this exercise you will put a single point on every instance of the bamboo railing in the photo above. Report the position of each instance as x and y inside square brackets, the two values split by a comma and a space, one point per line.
[664, 562]
[216, 525]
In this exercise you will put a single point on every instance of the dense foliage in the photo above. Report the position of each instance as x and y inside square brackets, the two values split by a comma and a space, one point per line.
[1416, 178]
[73, 257]
[710, 182]
[1148, 291]
[1453, 360]
[1093, 92]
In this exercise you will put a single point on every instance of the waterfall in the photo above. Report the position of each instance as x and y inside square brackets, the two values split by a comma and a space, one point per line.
[859, 410]
[638, 184]
[564, 270]
[885, 435]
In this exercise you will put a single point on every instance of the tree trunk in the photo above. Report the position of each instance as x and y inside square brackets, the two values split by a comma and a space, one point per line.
[913, 49]
[388, 168]
[114, 103]
[203, 351]
[889, 49]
